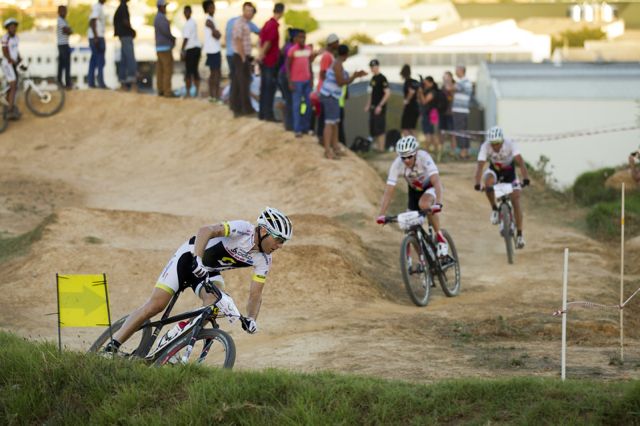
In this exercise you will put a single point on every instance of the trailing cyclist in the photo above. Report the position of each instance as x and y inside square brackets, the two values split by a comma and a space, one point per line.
[423, 179]
[215, 248]
[503, 155]
[10, 60]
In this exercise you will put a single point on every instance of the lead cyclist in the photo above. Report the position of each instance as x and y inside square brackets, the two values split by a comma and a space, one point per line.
[503, 155]
[215, 248]
[425, 188]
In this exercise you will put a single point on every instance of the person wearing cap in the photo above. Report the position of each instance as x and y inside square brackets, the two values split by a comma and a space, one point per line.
[10, 60]
[64, 51]
[165, 41]
[326, 59]
[97, 44]
[377, 104]
[268, 58]
[128, 69]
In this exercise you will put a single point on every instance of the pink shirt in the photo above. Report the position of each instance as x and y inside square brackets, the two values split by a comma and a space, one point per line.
[325, 62]
[300, 60]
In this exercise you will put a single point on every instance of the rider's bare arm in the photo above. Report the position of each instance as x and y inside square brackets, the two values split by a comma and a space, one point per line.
[5, 53]
[386, 198]
[523, 167]
[205, 234]
[479, 172]
[437, 185]
[255, 299]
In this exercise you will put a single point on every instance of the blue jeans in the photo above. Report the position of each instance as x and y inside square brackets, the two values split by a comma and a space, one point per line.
[301, 122]
[96, 62]
[268, 85]
[128, 68]
[283, 82]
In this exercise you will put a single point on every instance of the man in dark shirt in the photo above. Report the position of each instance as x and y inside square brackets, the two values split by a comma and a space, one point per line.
[128, 69]
[268, 58]
[377, 104]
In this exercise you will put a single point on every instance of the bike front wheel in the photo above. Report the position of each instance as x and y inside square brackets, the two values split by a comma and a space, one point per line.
[45, 98]
[507, 233]
[212, 344]
[415, 271]
[137, 345]
[449, 275]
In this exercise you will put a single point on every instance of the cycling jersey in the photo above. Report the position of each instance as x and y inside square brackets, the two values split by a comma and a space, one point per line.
[418, 176]
[233, 250]
[501, 160]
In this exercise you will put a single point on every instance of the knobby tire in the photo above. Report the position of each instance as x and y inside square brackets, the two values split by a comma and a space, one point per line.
[181, 342]
[32, 100]
[411, 241]
[451, 288]
[141, 339]
[505, 217]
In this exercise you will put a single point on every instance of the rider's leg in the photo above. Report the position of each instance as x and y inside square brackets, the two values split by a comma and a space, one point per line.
[515, 199]
[158, 300]
[489, 181]
[11, 96]
[425, 202]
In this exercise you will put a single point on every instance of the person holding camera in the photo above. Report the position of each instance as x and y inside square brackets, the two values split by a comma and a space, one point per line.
[634, 169]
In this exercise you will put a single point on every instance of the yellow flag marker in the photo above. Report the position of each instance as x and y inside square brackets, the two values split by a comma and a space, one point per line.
[83, 301]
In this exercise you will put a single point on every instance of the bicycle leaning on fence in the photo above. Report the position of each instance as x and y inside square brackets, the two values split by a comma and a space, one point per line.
[418, 259]
[195, 337]
[43, 98]
[507, 224]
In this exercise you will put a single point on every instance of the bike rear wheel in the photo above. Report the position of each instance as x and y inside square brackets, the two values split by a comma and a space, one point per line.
[449, 276]
[505, 218]
[4, 117]
[47, 100]
[137, 345]
[215, 345]
[415, 270]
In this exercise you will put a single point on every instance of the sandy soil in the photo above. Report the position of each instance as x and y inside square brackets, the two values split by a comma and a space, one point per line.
[130, 177]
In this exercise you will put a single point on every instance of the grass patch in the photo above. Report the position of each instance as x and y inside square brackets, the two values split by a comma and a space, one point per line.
[38, 385]
[589, 188]
[18, 245]
[93, 240]
[604, 217]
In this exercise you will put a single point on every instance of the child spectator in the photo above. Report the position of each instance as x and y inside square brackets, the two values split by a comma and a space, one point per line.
[10, 60]
[212, 50]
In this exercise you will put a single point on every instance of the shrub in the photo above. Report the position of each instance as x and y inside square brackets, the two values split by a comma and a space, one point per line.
[589, 187]
[603, 219]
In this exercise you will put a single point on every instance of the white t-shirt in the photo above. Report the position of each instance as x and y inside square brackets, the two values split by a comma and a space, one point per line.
[503, 159]
[417, 176]
[190, 32]
[97, 13]
[10, 43]
[211, 44]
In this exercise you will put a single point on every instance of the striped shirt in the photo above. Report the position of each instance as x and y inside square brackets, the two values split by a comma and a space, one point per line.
[330, 85]
[462, 96]
[62, 37]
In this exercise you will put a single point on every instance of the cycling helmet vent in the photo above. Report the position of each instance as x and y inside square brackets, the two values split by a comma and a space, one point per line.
[276, 223]
[407, 145]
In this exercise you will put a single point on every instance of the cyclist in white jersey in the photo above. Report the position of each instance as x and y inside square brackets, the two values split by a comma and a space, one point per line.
[503, 156]
[215, 248]
[425, 189]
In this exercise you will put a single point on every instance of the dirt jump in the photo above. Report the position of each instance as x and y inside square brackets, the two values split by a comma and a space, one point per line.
[116, 182]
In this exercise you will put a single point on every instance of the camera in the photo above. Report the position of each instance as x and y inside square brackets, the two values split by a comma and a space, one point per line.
[636, 154]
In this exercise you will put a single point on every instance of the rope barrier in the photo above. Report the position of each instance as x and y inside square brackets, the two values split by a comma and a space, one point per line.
[593, 305]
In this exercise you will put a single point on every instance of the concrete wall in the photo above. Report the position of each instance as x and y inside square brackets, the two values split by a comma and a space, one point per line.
[572, 156]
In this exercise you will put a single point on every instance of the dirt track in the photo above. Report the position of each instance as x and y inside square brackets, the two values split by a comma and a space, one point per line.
[130, 177]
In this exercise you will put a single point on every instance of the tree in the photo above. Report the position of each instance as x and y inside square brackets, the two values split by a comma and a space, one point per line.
[356, 39]
[577, 38]
[78, 18]
[25, 21]
[300, 19]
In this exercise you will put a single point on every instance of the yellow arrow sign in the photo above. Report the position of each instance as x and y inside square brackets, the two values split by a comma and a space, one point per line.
[83, 300]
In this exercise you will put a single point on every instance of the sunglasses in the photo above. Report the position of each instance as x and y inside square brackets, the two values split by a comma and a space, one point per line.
[409, 157]
[278, 238]
[496, 142]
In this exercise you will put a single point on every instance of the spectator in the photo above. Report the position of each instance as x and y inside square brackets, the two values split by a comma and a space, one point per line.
[634, 169]
[326, 60]
[127, 73]
[64, 51]
[254, 88]
[411, 110]
[268, 57]
[165, 41]
[283, 81]
[428, 98]
[460, 110]
[298, 65]
[330, 93]
[229, 37]
[241, 77]
[377, 104]
[97, 45]
[446, 119]
[190, 52]
[212, 50]
[10, 60]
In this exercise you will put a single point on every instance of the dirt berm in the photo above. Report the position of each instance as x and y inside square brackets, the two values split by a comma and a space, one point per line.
[121, 180]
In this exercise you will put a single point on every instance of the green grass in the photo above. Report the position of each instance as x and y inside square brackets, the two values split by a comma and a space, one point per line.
[38, 385]
[603, 219]
[589, 188]
[18, 245]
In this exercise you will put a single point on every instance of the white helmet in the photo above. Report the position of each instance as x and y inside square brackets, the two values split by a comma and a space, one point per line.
[407, 145]
[10, 21]
[276, 223]
[495, 135]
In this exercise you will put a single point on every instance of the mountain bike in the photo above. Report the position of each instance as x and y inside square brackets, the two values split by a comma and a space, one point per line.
[211, 343]
[507, 223]
[43, 98]
[419, 261]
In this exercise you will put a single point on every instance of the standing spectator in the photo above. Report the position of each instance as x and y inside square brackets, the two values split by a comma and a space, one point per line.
[283, 81]
[330, 93]
[241, 77]
[212, 50]
[377, 104]
[269, 53]
[97, 45]
[410, 111]
[428, 98]
[460, 110]
[128, 70]
[634, 170]
[64, 51]
[10, 60]
[326, 60]
[298, 65]
[190, 52]
[165, 41]
[446, 119]
[229, 37]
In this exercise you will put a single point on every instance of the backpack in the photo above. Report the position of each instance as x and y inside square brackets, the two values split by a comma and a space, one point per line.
[441, 102]
[391, 138]
[361, 144]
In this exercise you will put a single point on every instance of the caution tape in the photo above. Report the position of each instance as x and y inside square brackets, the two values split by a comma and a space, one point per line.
[593, 305]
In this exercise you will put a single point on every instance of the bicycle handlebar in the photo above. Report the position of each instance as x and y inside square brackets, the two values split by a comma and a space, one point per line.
[394, 219]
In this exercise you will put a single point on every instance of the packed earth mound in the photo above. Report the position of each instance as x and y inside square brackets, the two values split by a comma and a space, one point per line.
[116, 182]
